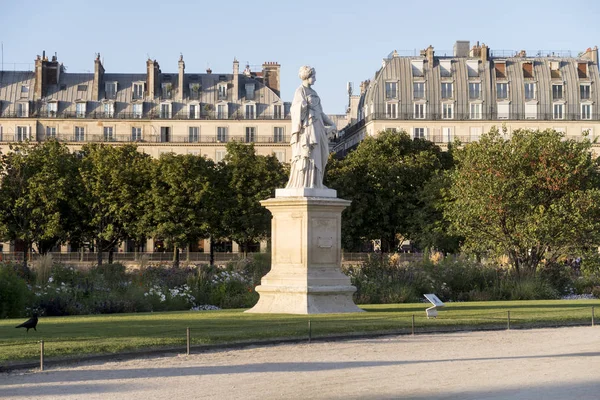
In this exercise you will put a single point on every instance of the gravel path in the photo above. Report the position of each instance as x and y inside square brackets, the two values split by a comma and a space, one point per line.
[559, 363]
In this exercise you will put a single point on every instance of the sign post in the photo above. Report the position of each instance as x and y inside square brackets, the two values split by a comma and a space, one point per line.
[433, 299]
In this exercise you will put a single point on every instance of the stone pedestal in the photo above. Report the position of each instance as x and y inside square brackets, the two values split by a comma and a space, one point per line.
[305, 276]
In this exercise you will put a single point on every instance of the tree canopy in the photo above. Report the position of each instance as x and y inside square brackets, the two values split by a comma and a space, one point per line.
[384, 177]
[532, 196]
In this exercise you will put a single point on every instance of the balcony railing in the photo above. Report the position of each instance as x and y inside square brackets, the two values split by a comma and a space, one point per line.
[9, 137]
[182, 115]
[486, 116]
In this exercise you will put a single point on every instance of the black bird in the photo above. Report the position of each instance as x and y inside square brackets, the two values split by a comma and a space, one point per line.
[30, 323]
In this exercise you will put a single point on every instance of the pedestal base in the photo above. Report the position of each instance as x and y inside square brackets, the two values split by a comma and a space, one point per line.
[305, 276]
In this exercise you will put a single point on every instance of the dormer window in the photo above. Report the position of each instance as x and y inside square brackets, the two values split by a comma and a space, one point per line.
[109, 109]
[555, 69]
[474, 90]
[167, 90]
[391, 90]
[80, 109]
[417, 67]
[138, 90]
[194, 110]
[23, 109]
[473, 68]
[250, 111]
[249, 91]
[24, 91]
[447, 90]
[500, 68]
[418, 90]
[584, 92]
[194, 91]
[110, 90]
[52, 108]
[557, 92]
[277, 111]
[445, 68]
[222, 88]
[81, 91]
[165, 110]
[582, 70]
[527, 70]
[138, 110]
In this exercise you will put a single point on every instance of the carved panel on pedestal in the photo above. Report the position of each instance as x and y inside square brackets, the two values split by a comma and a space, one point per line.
[324, 241]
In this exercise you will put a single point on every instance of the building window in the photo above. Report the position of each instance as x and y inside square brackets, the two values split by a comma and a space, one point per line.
[193, 134]
[475, 111]
[250, 111]
[194, 91]
[280, 155]
[222, 134]
[278, 134]
[165, 110]
[503, 110]
[22, 133]
[138, 109]
[447, 134]
[419, 90]
[529, 91]
[250, 134]
[24, 91]
[79, 133]
[473, 68]
[584, 92]
[531, 111]
[419, 110]
[136, 134]
[277, 111]
[446, 90]
[447, 111]
[391, 90]
[167, 90]
[558, 111]
[80, 110]
[23, 109]
[110, 90]
[475, 133]
[165, 134]
[419, 133]
[193, 111]
[138, 91]
[52, 108]
[1, 133]
[109, 110]
[502, 90]
[222, 112]
[222, 88]
[586, 111]
[474, 90]
[557, 92]
[50, 132]
[249, 91]
[108, 134]
[391, 110]
[220, 155]
[81, 90]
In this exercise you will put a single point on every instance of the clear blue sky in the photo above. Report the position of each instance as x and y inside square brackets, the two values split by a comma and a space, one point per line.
[344, 40]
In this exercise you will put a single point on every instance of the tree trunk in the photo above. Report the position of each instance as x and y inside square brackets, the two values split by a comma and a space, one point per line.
[111, 255]
[25, 254]
[212, 252]
[99, 247]
[175, 257]
[189, 248]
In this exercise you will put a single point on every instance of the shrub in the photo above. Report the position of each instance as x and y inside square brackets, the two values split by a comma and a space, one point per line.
[14, 293]
[42, 268]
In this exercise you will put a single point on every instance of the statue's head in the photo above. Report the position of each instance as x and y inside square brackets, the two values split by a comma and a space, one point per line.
[306, 72]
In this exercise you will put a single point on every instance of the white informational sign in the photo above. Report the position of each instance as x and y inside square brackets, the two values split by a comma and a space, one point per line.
[433, 299]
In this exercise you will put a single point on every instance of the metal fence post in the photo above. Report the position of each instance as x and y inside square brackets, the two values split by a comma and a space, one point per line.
[188, 341]
[41, 355]
[309, 331]
[592, 315]
[413, 324]
[508, 320]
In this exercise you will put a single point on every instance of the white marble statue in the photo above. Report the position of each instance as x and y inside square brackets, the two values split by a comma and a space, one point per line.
[310, 126]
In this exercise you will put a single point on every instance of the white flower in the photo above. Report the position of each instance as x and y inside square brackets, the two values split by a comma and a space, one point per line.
[50, 280]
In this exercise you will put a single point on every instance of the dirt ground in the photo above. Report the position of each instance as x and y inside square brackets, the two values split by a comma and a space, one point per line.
[561, 363]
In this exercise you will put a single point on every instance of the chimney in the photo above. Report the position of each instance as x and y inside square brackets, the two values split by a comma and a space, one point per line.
[429, 53]
[591, 55]
[152, 75]
[461, 48]
[236, 80]
[485, 53]
[98, 78]
[180, 81]
[38, 86]
[271, 71]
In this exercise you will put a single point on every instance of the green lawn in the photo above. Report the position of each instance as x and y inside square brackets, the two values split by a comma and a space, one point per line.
[100, 334]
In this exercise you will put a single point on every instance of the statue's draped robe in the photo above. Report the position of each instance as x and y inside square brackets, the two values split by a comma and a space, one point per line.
[309, 143]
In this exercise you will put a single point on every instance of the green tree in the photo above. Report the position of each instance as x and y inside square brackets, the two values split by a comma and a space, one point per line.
[116, 182]
[532, 196]
[38, 192]
[250, 178]
[183, 197]
[383, 178]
